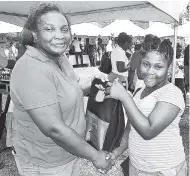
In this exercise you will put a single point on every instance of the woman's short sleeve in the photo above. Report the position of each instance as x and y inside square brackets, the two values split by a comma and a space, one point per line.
[33, 88]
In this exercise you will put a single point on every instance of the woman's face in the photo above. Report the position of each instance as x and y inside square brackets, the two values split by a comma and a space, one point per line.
[53, 34]
[154, 68]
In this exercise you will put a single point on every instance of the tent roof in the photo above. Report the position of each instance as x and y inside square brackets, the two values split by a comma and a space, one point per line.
[159, 29]
[7, 27]
[86, 29]
[16, 12]
[122, 26]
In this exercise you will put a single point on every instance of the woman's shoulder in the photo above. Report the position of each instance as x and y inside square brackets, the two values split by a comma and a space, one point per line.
[29, 65]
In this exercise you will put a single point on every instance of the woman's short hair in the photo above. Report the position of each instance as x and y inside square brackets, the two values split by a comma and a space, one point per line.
[33, 17]
[123, 38]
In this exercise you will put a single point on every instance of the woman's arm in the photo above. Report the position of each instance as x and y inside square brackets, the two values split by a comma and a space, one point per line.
[124, 142]
[49, 120]
[85, 85]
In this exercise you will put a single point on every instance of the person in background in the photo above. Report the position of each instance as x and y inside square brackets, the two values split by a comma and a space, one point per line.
[129, 51]
[48, 111]
[115, 42]
[78, 52]
[6, 63]
[186, 67]
[93, 54]
[153, 139]
[132, 71]
[138, 47]
[100, 48]
[109, 47]
[179, 73]
[119, 60]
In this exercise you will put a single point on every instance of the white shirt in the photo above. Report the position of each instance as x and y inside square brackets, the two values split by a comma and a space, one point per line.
[118, 54]
[166, 150]
[76, 44]
[109, 46]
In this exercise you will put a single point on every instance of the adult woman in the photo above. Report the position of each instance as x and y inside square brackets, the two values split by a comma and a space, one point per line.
[119, 60]
[48, 101]
[155, 144]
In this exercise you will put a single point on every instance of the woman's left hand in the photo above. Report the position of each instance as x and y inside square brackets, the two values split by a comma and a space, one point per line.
[113, 90]
[102, 76]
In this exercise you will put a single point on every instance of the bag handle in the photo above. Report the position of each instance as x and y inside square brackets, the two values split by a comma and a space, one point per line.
[136, 91]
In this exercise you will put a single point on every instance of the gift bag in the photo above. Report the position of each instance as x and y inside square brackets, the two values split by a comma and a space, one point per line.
[105, 120]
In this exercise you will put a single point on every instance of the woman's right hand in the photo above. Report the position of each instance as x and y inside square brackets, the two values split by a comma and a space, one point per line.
[103, 161]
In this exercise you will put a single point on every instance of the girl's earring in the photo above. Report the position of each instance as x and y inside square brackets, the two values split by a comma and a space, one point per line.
[35, 39]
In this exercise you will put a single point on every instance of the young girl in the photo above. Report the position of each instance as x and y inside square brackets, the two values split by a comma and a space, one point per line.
[154, 141]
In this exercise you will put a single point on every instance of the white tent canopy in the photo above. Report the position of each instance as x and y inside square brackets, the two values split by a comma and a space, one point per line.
[86, 29]
[7, 27]
[122, 26]
[184, 30]
[160, 29]
[16, 12]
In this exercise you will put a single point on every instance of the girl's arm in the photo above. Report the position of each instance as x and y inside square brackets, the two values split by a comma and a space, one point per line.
[159, 119]
[163, 114]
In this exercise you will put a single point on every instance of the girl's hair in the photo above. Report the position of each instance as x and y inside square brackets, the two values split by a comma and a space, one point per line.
[123, 38]
[164, 48]
[33, 17]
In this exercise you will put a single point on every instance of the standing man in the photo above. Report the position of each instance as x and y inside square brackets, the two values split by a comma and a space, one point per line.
[186, 67]
[78, 50]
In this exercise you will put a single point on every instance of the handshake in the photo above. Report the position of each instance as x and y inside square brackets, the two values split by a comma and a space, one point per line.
[104, 161]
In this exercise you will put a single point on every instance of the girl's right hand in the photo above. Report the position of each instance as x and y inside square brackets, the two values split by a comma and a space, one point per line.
[115, 90]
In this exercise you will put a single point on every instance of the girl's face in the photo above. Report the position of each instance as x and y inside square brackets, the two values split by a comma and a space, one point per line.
[53, 34]
[154, 68]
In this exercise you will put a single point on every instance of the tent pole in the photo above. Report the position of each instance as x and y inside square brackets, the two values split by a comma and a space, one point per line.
[174, 56]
